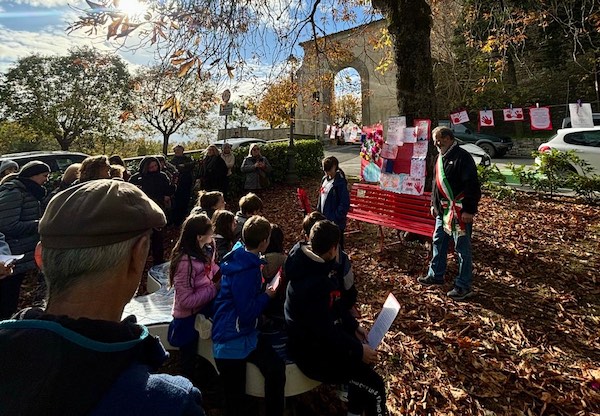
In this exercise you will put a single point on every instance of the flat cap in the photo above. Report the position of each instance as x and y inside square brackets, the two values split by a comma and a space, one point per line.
[98, 213]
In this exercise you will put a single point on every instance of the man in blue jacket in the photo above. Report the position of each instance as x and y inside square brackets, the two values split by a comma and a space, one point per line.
[235, 336]
[77, 357]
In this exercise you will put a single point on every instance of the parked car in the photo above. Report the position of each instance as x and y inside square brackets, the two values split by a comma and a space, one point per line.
[239, 142]
[57, 160]
[494, 145]
[566, 122]
[479, 155]
[584, 141]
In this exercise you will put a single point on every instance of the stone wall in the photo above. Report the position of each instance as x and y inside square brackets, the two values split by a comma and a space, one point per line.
[524, 147]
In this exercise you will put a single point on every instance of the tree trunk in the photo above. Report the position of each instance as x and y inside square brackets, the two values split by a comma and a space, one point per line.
[165, 143]
[409, 24]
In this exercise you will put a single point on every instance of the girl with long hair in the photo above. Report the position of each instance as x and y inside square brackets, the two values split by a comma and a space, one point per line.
[195, 277]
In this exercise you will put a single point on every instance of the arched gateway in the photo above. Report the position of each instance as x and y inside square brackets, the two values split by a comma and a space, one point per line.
[352, 48]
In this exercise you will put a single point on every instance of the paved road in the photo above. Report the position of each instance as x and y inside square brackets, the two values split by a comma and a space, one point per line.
[349, 158]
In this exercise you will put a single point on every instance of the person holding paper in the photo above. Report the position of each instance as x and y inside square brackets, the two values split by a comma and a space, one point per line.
[324, 339]
[454, 199]
[5, 269]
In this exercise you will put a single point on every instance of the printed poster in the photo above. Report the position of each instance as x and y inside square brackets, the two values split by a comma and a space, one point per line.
[423, 127]
[513, 114]
[391, 182]
[540, 118]
[332, 132]
[581, 115]
[417, 168]
[389, 151]
[410, 135]
[459, 117]
[413, 186]
[486, 118]
[395, 132]
[420, 150]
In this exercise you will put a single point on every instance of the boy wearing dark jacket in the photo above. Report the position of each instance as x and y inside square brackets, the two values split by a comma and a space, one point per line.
[235, 336]
[325, 340]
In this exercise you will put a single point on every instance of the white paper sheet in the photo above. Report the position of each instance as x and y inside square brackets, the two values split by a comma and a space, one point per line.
[6, 259]
[384, 321]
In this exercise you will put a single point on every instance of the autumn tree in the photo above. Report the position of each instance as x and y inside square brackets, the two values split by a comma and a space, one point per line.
[348, 108]
[66, 97]
[275, 104]
[223, 35]
[171, 101]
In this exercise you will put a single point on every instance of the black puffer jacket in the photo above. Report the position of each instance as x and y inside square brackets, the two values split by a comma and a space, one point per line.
[320, 328]
[20, 213]
[156, 185]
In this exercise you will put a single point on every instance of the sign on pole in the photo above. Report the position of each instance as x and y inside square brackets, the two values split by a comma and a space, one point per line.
[226, 110]
[226, 96]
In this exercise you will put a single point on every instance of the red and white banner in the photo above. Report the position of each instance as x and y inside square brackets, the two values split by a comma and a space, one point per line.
[540, 118]
[513, 114]
[460, 117]
[486, 118]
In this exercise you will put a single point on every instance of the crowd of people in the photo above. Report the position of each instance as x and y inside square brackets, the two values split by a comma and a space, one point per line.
[92, 237]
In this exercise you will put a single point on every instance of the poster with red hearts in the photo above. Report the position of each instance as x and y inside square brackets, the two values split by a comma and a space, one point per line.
[486, 118]
[540, 118]
[513, 114]
[459, 117]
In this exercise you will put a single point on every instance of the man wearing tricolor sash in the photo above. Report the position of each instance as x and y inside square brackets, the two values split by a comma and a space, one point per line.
[454, 198]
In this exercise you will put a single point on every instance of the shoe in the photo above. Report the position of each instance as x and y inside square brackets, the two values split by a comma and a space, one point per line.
[429, 280]
[459, 293]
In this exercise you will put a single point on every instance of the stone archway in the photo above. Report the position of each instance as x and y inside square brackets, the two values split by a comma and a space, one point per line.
[351, 48]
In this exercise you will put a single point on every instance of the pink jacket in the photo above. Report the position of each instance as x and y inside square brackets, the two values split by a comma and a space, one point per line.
[190, 299]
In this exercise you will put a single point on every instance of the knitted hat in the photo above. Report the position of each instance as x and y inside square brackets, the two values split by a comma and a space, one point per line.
[98, 213]
[35, 167]
[7, 164]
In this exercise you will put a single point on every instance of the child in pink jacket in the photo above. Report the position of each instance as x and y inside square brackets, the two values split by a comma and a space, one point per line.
[195, 277]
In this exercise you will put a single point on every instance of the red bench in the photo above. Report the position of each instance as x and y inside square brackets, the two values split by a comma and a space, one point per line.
[370, 203]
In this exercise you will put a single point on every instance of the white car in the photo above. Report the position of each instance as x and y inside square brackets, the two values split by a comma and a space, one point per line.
[239, 141]
[584, 141]
[477, 153]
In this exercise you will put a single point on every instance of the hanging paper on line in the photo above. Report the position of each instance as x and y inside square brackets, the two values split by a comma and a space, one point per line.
[384, 321]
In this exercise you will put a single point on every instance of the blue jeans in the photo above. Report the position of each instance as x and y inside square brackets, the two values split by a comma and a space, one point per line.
[462, 246]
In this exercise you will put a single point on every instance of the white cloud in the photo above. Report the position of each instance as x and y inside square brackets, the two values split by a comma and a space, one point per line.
[45, 3]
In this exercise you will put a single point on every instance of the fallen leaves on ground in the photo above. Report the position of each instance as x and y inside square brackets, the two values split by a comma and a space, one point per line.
[527, 344]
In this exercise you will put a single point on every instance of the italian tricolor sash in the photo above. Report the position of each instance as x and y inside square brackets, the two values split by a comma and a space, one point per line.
[451, 205]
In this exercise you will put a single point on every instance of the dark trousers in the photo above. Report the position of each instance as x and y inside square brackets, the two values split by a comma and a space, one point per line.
[366, 388]
[187, 358]
[157, 247]
[233, 373]
[366, 392]
[181, 199]
[10, 287]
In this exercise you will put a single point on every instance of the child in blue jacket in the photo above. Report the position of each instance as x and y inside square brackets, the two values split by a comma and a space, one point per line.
[334, 198]
[238, 306]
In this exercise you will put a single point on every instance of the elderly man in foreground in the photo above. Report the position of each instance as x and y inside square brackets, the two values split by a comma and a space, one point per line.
[77, 357]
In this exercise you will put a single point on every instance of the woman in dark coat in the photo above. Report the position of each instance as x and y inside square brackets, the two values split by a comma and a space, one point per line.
[20, 212]
[214, 170]
[157, 187]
